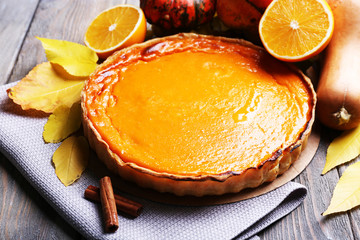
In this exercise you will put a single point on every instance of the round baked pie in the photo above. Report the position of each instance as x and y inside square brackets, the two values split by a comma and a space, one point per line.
[197, 115]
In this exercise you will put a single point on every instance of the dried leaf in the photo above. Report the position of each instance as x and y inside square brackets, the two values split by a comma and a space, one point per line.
[71, 60]
[43, 89]
[347, 191]
[63, 122]
[71, 159]
[343, 149]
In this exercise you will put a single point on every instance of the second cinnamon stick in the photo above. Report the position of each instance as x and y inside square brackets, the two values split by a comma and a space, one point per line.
[108, 205]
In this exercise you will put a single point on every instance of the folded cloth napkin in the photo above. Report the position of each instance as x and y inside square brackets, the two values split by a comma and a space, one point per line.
[21, 142]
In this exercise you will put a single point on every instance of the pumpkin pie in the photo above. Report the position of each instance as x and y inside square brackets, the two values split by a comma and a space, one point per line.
[197, 115]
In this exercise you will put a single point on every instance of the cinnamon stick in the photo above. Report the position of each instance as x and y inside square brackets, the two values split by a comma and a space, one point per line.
[108, 205]
[123, 204]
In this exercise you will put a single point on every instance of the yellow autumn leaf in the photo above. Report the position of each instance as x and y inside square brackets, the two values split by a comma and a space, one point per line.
[63, 122]
[343, 149]
[71, 60]
[71, 159]
[43, 89]
[347, 191]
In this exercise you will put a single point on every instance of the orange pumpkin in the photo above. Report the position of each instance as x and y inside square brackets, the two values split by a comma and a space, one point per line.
[178, 14]
[238, 14]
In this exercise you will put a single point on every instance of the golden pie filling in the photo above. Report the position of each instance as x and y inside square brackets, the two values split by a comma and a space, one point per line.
[194, 111]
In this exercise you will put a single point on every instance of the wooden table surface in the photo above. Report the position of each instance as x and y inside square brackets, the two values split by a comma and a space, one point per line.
[24, 214]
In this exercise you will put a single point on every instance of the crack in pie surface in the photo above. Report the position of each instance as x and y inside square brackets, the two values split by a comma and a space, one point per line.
[197, 115]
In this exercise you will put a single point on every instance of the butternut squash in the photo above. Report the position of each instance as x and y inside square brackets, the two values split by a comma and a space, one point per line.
[338, 89]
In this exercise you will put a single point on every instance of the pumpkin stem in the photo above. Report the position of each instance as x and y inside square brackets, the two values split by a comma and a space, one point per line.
[343, 116]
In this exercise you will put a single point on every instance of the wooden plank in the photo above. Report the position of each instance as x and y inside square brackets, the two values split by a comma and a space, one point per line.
[15, 20]
[24, 214]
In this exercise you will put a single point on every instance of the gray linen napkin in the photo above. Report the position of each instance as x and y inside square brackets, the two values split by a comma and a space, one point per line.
[21, 142]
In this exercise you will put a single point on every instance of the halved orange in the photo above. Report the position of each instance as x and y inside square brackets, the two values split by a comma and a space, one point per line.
[296, 30]
[116, 28]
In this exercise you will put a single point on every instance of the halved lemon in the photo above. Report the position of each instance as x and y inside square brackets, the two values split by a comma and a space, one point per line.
[116, 28]
[296, 30]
